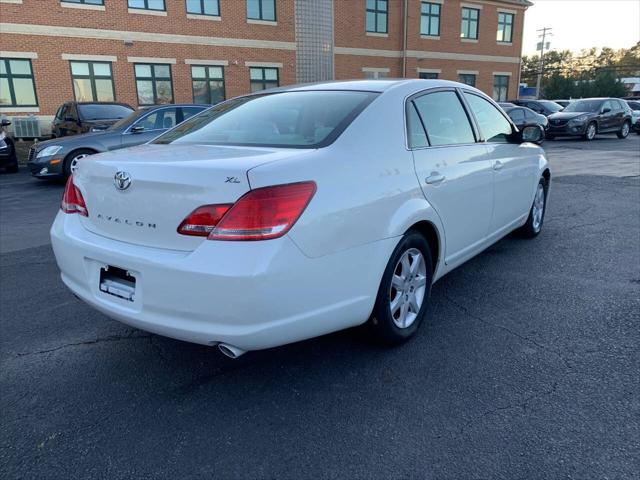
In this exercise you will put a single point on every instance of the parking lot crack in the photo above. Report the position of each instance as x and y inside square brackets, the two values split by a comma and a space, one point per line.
[509, 331]
[110, 338]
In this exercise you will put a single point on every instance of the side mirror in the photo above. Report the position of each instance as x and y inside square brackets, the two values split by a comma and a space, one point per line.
[606, 110]
[137, 129]
[531, 133]
[5, 122]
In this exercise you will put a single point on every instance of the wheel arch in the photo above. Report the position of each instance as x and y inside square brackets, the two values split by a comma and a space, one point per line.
[431, 234]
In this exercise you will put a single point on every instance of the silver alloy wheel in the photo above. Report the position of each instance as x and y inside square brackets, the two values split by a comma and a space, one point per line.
[591, 131]
[625, 129]
[74, 161]
[408, 288]
[538, 208]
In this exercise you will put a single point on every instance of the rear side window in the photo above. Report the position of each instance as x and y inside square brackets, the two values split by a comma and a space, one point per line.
[517, 115]
[493, 126]
[415, 130]
[302, 119]
[444, 118]
[529, 115]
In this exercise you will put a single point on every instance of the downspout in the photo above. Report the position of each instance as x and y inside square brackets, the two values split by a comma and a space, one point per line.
[524, 12]
[404, 40]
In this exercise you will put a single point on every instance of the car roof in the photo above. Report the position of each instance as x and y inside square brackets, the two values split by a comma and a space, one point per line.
[380, 85]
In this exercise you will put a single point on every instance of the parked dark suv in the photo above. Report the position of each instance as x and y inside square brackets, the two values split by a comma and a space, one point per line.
[58, 157]
[590, 116]
[73, 118]
[8, 157]
[543, 107]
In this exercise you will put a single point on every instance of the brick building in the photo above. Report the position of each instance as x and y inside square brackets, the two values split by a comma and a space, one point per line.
[154, 51]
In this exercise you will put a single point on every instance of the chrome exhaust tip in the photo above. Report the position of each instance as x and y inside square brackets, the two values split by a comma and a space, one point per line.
[230, 351]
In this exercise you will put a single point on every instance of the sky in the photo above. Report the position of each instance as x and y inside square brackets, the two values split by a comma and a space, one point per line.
[579, 24]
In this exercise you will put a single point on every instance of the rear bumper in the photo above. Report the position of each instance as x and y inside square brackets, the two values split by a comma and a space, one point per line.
[252, 295]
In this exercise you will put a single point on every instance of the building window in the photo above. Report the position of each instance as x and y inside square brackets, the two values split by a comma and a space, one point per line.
[467, 78]
[500, 88]
[261, 10]
[375, 73]
[153, 83]
[263, 78]
[207, 84]
[147, 4]
[85, 2]
[505, 27]
[469, 26]
[17, 88]
[376, 21]
[92, 81]
[430, 19]
[204, 7]
[428, 75]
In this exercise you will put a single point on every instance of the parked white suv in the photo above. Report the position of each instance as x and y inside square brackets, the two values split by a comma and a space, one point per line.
[296, 212]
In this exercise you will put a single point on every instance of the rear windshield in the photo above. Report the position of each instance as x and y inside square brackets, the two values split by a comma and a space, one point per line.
[309, 119]
[103, 112]
[553, 106]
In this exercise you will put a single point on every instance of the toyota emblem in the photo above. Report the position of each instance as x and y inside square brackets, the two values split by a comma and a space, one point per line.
[122, 180]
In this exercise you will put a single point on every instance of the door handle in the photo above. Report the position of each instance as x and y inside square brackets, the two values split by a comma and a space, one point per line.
[498, 165]
[434, 178]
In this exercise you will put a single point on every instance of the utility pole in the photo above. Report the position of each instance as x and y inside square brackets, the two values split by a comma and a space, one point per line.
[543, 32]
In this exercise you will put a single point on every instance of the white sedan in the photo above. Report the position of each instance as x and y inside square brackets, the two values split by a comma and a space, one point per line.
[291, 213]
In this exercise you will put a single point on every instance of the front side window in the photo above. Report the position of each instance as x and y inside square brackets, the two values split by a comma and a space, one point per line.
[494, 127]
[261, 10]
[311, 119]
[444, 118]
[467, 79]
[153, 83]
[160, 119]
[17, 87]
[204, 7]
[517, 115]
[469, 25]
[92, 81]
[500, 88]
[85, 2]
[377, 11]
[262, 78]
[207, 83]
[505, 27]
[430, 19]
[147, 4]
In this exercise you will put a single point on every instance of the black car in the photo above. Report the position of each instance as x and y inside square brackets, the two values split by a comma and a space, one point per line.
[58, 157]
[590, 116]
[523, 116]
[8, 156]
[73, 118]
[543, 107]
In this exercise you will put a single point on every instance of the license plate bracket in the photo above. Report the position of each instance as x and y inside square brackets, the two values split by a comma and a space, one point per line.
[118, 282]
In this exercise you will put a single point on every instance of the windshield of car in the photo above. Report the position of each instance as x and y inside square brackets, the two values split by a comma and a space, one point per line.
[103, 112]
[307, 119]
[584, 106]
[552, 106]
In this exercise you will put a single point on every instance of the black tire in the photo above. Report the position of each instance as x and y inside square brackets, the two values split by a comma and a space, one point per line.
[13, 168]
[381, 323]
[624, 130]
[66, 167]
[532, 228]
[588, 136]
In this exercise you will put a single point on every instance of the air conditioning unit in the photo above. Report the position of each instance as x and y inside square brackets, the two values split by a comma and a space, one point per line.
[26, 127]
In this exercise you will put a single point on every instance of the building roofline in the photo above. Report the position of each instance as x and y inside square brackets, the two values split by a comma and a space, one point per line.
[522, 3]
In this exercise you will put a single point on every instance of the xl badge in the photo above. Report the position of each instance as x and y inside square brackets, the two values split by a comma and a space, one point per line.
[122, 180]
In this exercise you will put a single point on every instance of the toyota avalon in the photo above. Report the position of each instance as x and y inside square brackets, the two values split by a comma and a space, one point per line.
[295, 212]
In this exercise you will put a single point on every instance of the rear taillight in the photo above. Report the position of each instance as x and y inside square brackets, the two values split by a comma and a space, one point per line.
[72, 200]
[265, 213]
[202, 220]
[261, 214]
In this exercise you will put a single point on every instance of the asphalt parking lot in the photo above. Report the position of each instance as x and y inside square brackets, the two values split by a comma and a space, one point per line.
[527, 368]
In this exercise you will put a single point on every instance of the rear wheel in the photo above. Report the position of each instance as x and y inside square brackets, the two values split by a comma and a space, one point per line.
[536, 215]
[71, 162]
[404, 290]
[591, 131]
[624, 131]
